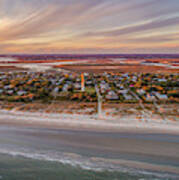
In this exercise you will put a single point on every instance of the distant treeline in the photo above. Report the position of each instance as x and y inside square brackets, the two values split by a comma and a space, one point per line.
[88, 56]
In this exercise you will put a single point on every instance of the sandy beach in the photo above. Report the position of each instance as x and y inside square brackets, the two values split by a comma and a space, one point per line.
[87, 122]
[90, 142]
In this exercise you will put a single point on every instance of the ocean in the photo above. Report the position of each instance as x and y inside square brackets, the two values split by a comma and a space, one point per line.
[51, 154]
[22, 168]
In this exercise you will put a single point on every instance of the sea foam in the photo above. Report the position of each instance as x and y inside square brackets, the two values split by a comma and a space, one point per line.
[79, 161]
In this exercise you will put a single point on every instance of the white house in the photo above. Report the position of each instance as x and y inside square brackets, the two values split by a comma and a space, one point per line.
[20, 93]
[112, 96]
[161, 96]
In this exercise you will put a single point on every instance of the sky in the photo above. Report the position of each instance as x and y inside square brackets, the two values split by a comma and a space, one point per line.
[89, 26]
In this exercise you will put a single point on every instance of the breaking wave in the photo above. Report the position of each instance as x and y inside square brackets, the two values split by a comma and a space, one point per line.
[79, 161]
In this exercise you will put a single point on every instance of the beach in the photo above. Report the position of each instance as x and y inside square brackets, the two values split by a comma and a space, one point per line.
[88, 122]
[91, 143]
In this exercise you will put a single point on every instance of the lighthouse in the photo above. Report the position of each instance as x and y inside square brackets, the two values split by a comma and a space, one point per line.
[82, 82]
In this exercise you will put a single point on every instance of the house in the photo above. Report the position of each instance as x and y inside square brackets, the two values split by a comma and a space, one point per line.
[150, 97]
[53, 81]
[111, 95]
[162, 80]
[104, 86]
[89, 82]
[56, 90]
[123, 91]
[7, 87]
[134, 78]
[65, 88]
[141, 91]
[125, 75]
[77, 86]
[20, 93]
[161, 96]
[119, 85]
[10, 92]
[128, 97]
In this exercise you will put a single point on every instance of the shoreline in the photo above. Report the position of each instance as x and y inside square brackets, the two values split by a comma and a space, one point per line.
[122, 166]
[149, 171]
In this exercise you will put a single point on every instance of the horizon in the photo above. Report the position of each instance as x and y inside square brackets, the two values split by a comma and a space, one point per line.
[89, 27]
[91, 54]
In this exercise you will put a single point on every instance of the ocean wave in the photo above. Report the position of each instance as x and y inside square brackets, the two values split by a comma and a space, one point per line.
[79, 161]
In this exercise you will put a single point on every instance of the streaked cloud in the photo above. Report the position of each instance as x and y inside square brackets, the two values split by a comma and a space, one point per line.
[85, 25]
[145, 26]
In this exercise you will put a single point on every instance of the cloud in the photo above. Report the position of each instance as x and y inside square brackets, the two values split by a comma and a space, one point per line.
[59, 15]
[35, 25]
[45, 20]
[166, 38]
[156, 24]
